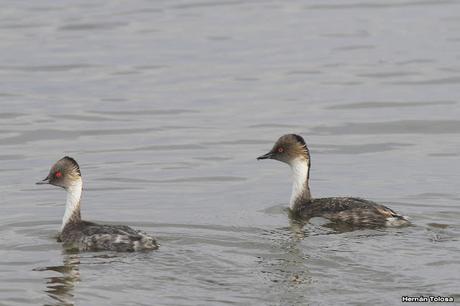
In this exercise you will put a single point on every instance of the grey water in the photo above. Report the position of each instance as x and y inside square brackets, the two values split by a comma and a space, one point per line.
[167, 104]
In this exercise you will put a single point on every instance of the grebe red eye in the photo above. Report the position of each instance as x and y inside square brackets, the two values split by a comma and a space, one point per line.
[280, 150]
[58, 174]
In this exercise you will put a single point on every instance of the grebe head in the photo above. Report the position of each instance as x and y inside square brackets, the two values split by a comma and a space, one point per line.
[64, 173]
[288, 149]
[292, 150]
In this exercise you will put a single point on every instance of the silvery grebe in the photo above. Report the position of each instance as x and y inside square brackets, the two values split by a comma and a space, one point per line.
[80, 235]
[292, 150]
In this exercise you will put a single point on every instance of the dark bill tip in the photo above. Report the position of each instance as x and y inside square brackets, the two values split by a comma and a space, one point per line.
[266, 156]
[44, 181]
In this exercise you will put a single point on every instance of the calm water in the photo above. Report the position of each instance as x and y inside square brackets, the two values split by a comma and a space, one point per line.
[167, 104]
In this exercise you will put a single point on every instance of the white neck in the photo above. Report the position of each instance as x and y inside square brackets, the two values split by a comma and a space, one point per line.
[300, 186]
[72, 204]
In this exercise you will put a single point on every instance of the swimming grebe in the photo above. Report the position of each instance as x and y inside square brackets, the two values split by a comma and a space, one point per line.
[292, 150]
[80, 235]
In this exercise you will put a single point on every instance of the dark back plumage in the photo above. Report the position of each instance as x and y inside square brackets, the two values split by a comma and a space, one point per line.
[89, 236]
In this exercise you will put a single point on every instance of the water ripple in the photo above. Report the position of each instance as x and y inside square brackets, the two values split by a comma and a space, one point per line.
[393, 127]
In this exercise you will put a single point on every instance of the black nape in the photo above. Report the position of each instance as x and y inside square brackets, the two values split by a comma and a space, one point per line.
[299, 139]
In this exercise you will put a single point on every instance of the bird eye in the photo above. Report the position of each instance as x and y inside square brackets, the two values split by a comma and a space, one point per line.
[280, 150]
[58, 174]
